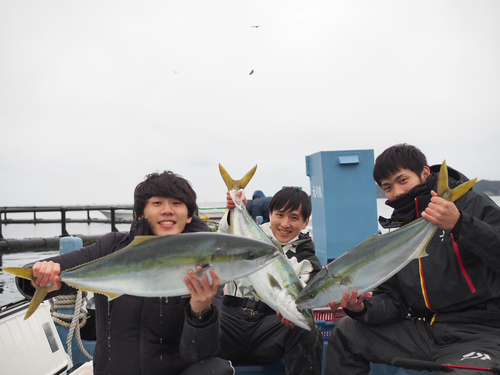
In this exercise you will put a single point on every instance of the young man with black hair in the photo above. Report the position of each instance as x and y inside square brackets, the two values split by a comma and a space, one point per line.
[149, 336]
[444, 307]
[252, 332]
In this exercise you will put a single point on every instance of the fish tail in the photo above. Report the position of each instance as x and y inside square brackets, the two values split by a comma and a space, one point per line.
[236, 184]
[25, 273]
[443, 189]
[38, 298]
[40, 293]
[461, 190]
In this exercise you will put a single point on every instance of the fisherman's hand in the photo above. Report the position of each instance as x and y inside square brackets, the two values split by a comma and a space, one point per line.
[47, 273]
[285, 321]
[352, 303]
[202, 293]
[442, 213]
[230, 203]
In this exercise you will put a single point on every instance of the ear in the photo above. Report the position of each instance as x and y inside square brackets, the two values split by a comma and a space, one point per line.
[425, 173]
[189, 219]
[305, 223]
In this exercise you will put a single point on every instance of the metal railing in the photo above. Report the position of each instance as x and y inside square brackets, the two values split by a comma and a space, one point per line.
[63, 220]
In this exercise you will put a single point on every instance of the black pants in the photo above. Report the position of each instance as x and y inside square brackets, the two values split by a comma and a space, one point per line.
[210, 366]
[353, 345]
[250, 336]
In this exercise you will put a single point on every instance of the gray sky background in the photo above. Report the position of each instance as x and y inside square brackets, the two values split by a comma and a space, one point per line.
[94, 95]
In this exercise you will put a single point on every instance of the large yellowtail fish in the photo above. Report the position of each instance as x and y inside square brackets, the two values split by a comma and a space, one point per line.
[277, 284]
[378, 258]
[154, 266]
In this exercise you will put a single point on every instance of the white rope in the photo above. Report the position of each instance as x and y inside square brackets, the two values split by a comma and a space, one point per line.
[74, 321]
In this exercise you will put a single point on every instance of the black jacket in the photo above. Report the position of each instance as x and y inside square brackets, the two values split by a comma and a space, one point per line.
[460, 279]
[146, 335]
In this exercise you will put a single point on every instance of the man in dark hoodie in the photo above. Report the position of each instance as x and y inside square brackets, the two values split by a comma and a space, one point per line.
[259, 206]
[149, 336]
[444, 307]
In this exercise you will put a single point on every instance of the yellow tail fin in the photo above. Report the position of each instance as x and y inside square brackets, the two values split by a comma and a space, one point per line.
[40, 293]
[443, 189]
[236, 184]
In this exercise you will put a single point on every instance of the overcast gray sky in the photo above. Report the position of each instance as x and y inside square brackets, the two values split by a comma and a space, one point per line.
[94, 95]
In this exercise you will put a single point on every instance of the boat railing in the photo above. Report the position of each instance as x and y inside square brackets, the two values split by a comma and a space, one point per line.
[63, 219]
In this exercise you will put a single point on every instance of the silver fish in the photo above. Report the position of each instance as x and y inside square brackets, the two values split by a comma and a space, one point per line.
[277, 284]
[154, 266]
[378, 258]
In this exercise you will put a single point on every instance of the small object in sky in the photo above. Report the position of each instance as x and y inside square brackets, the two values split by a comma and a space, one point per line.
[175, 71]
[251, 72]
[255, 26]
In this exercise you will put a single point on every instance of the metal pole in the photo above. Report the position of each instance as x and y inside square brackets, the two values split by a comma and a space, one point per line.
[63, 223]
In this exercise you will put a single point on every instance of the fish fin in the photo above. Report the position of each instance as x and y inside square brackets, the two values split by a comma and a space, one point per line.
[236, 184]
[461, 190]
[371, 238]
[277, 244]
[273, 282]
[25, 273]
[202, 271]
[226, 177]
[140, 239]
[111, 296]
[38, 298]
[347, 280]
[443, 189]
[256, 295]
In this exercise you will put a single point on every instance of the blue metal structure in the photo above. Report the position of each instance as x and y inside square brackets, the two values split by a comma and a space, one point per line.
[344, 200]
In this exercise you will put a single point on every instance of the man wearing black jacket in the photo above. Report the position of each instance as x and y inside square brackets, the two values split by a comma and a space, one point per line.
[444, 307]
[149, 336]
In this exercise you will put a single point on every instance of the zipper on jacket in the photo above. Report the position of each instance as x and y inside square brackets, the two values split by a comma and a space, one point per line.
[108, 328]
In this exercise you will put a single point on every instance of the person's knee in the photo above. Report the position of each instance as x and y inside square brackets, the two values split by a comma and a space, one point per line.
[346, 326]
[207, 366]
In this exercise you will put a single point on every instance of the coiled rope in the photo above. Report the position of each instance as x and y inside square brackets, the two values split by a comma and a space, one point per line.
[73, 321]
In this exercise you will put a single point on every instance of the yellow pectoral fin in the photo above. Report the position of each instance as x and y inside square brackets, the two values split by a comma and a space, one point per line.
[257, 296]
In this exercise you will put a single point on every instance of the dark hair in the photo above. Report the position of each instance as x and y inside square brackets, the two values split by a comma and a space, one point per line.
[291, 199]
[397, 157]
[167, 185]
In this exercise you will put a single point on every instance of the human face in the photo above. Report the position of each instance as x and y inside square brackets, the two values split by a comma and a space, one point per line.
[402, 182]
[286, 225]
[166, 215]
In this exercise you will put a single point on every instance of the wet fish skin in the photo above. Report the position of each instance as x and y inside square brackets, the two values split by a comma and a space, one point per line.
[378, 258]
[154, 266]
[277, 284]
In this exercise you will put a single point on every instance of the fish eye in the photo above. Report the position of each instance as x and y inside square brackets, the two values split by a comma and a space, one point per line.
[251, 256]
[311, 295]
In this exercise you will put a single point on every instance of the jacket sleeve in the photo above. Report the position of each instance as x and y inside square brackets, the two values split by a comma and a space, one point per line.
[480, 229]
[308, 263]
[387, 305]
[202, 340]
